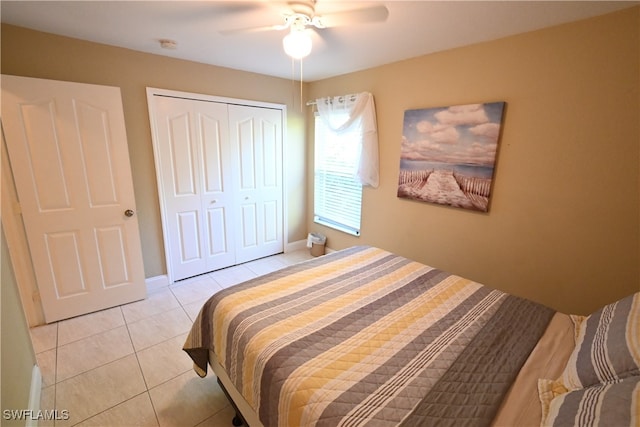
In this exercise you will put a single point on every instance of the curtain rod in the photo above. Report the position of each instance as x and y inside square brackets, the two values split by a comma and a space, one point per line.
[352, 96]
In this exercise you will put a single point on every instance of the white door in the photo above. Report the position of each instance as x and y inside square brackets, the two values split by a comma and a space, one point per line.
[68, 150]
[256, 140]
[194, 159]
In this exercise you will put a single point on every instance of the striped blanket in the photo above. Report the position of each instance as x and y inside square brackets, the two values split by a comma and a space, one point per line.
[366, 337]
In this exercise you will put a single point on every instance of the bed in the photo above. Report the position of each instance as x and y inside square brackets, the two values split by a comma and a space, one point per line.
[363, 336]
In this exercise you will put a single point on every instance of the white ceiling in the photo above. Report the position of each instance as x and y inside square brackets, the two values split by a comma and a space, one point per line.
[413, 28]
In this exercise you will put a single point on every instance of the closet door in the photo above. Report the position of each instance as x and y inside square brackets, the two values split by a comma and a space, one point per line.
[256, 141]
[195, 179]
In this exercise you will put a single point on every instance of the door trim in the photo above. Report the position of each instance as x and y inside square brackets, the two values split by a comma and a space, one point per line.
[19, 252]
[151, 93]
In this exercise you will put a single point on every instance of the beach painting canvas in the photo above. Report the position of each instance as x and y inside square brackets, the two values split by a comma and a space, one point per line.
[448, 154]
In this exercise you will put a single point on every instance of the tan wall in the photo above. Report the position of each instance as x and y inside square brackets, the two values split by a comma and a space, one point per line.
[563, 224]
[35, 54]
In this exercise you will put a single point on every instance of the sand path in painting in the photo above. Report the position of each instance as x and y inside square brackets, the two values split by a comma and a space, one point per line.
[441, 187]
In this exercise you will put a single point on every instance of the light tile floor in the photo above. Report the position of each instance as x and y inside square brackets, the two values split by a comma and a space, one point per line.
[125, 366]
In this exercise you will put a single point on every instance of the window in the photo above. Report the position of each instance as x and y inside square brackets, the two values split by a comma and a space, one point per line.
[337, 190]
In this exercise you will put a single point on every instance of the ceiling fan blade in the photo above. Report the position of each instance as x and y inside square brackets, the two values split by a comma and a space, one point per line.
[270, 11]
[355, 16]
[247, 30]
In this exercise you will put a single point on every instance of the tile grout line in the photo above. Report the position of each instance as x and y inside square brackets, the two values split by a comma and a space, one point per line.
[134, 352]
[146, 384]
[254, 272]
[97, 367]
[55, 374]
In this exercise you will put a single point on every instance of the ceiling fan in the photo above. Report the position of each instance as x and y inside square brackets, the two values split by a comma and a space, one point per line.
[301, 15]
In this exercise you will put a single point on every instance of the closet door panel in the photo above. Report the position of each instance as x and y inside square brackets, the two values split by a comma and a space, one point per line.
[246, 140]
[217, 198]
[180, 155]
[217, 224]
[271, 221]
[271, 149]
[192, 158]
[176, 153]
[249, 227]
[212, 154]
[257, 142]
[188, 223]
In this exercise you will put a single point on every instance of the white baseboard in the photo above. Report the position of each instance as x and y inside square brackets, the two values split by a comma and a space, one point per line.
[157, 282]
[34, 395]
[295, 246]
[302, 244]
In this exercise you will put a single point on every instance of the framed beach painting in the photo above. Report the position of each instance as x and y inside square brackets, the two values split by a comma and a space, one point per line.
[448, 154]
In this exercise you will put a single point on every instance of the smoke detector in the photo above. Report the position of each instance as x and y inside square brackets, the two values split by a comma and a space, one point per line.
[168, 44]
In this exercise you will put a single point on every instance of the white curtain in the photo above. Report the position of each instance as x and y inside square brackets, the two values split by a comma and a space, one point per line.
[355, 112]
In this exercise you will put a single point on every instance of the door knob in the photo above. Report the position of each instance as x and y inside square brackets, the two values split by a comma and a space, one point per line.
[128, 212]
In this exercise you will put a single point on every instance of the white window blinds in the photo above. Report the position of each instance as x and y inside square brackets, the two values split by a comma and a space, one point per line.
[337, 190]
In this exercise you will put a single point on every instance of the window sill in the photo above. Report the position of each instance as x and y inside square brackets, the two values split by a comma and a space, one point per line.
[337, 226]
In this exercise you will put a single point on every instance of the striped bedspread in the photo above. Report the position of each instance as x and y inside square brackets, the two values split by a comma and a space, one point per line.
[366, 337]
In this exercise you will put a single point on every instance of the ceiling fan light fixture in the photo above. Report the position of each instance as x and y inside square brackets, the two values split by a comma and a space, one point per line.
[297, 44]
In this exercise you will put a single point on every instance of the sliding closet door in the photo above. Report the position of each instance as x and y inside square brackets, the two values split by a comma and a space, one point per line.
[195, 178]
[256, 141]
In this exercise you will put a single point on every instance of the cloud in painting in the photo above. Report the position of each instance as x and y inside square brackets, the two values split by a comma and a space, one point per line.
[448, 135]
[463, 134]
[472, 114]
[443, 134]
[480, 153]
[489, 130]
[419, 150]
[424, 126]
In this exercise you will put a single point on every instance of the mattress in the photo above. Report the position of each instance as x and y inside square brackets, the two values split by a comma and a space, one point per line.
[366, 337]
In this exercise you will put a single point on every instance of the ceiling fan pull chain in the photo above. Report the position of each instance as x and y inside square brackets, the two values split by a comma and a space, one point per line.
[293, 82]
